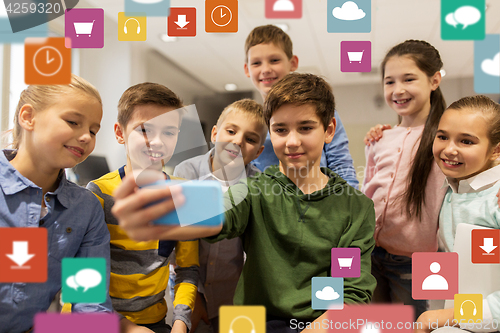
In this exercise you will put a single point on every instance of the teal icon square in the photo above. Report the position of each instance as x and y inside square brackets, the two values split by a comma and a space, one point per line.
[487, 65]
[327, 293]
[150, 7]
[7, 36]
[83, 280]
[349, 16]
[463, 19]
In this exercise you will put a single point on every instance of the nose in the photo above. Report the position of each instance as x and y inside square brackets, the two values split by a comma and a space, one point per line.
[85, 137]
[293, 139]
[399, 88]
[450, 149]
[155, 140]
[238, 139]
[266, 67]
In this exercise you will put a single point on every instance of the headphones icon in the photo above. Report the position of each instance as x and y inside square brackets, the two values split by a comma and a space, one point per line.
[241, 317]
[138, 25]
[462, 310]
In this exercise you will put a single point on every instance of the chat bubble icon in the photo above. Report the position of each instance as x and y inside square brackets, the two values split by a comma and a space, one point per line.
[467, 15]
[88, 278]
[451, 20]
[70, 281]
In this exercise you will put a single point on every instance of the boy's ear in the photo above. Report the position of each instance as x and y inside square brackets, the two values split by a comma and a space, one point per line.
[26, 117]
[119, 133]
[496, 153]
[330, 131]
[436, 80]
[261, 149]
[247, 71]
[213, 136]
[294, 62]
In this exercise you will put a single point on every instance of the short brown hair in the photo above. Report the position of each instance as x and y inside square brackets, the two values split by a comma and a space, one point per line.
[143, 94]
[251, 108]
[266, 34]
[299, 89]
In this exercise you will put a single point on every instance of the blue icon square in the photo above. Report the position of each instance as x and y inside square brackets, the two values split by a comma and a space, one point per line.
[150, 7]
[7, 36]
[327, 293]
[487, 65]
[349, 16]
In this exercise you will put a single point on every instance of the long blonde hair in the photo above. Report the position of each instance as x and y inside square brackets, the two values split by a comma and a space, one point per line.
[41, 97]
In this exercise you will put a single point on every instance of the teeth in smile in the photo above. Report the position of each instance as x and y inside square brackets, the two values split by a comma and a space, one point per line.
[402, 101]
[155, 155]
[73, 149]
[452, 163]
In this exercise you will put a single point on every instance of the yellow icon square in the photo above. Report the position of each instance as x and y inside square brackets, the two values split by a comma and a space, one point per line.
[132, 28]
[468, 308]
[242, 319]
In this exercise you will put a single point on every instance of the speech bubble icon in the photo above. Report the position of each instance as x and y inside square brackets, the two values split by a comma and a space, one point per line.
[467, 15]
[70, 281]
[451, 20]
[88, 278]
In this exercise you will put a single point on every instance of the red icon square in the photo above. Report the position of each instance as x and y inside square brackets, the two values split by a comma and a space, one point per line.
[288, 9]
[485, 246]
[434, 275]
[182, 22]
[23, 255]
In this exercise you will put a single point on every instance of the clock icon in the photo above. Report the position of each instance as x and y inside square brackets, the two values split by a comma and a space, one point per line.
[221, 15]
[47, 61]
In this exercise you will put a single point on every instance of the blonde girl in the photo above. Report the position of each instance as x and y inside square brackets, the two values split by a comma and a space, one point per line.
[54, 128]
[401, 176]
[466, 148]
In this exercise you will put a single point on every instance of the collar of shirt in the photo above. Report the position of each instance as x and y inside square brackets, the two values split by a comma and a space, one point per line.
[207, 174]
[12, 182]
[476, 183]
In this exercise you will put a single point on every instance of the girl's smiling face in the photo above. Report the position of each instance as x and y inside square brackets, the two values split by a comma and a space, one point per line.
[462, 148]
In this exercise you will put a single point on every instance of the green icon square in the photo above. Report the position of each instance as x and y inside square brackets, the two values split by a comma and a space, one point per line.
[83, 280]
[463, 19]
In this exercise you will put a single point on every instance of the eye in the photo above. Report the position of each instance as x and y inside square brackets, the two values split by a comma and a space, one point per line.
[141, 130]
[388, 82]
[467, 142]
[250, 140]
[169, 133]
[93, 133]
[275, 60]
[255, 63]
[230, 131]
[306, 128]
[410, 79]
[71, 122]
[441, 137]
[279, 130]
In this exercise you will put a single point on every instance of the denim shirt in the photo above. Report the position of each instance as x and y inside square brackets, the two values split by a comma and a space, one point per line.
[336, 155]
[75, 227]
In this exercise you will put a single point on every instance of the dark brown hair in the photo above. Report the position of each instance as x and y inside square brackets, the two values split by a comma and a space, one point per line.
[490, 110]
[143, 94]
[266, 34]
[428, 60]
[299, 89]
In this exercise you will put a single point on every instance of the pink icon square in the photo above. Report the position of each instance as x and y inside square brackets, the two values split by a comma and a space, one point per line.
[346, 262]
[283, 9]
[84, 27]
[434, 275]
[356, 56]
[76, 323]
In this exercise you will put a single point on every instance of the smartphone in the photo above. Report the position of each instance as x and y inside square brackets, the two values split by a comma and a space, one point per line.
[203, 205]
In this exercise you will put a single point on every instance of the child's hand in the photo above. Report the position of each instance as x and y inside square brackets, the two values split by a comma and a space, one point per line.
[199, 312]
[375, 133]
[179, 327]
[132, 215]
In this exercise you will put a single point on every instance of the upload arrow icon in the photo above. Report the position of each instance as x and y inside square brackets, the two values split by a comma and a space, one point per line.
[485, 246]
[23, 255]
[182, 22]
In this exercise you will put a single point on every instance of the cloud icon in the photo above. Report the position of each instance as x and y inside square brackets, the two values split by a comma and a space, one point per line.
[492, 66]
[348, 12]
[327, 294]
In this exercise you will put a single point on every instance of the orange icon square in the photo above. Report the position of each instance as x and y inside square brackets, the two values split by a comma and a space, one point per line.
[221, 16]
[23, 255]
[47, 61]
[485, 246]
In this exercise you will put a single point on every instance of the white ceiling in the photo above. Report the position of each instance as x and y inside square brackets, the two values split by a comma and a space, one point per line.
[217, 59]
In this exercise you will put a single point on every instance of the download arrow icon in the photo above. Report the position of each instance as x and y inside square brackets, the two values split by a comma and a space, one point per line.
[488, 246]
[20, 254]
[181, 21]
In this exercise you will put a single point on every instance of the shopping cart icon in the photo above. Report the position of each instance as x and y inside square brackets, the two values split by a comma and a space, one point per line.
[83, 28]
[345, 262]
[355, 56]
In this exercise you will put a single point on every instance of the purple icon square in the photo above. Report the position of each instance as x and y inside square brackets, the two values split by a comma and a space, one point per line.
[76, 323]
[84, 27]
[346, 262]
[356, 56]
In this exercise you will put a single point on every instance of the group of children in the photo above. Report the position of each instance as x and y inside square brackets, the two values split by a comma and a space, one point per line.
[285, 219]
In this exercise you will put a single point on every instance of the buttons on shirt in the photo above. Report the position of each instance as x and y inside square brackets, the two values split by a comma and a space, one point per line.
[47, 199]
[399, 150]
[384, 200]
[408, 129]
[69, 230]
[392, 174]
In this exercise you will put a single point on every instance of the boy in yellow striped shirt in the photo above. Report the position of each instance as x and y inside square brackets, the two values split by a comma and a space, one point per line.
[149, 117]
